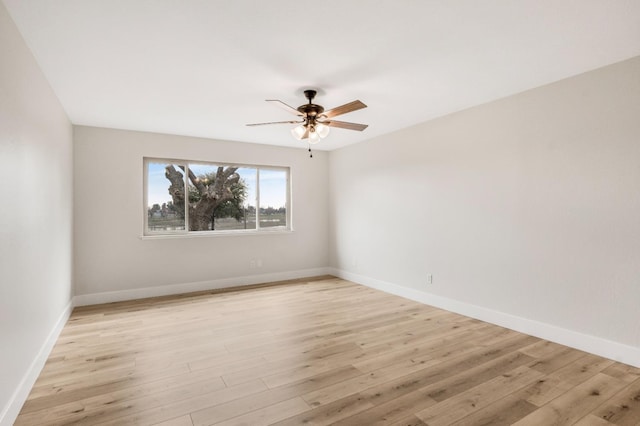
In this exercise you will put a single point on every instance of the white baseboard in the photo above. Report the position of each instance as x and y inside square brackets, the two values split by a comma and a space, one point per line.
[592, 344]
[12, 409]
[166, 290]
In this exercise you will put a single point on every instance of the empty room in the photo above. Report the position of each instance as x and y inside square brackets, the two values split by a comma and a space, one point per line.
[359, 213]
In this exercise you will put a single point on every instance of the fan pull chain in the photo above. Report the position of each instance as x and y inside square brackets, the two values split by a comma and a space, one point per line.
[310, 154]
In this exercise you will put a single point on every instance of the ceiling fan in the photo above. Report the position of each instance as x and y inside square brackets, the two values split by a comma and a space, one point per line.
[314, 121]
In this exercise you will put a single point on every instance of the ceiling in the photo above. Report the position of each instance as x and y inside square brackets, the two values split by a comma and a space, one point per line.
[205, 67]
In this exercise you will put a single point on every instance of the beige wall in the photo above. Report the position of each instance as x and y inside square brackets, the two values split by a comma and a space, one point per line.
[35, 218]
[111, 256]
[528, 206]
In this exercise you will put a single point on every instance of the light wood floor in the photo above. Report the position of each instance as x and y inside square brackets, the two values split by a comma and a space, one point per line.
[320, 352]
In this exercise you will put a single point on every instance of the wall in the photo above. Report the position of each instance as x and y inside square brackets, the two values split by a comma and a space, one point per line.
[526, 211]
[35, 219]
[112, 262]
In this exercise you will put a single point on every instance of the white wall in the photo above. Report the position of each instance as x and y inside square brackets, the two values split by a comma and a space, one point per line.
[35, 219]
[112, 262]
[525, 210]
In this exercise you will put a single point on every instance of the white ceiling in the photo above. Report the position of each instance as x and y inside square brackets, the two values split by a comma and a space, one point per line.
[205, 67]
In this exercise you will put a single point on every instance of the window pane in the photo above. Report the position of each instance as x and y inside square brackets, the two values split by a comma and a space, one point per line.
[163, 212]
[249, 178]
[219, 197]
[273, 198]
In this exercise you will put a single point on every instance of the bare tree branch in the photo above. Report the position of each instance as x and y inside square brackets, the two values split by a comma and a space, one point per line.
[176, 189]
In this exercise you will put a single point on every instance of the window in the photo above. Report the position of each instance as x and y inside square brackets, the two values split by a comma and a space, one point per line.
[183, 197]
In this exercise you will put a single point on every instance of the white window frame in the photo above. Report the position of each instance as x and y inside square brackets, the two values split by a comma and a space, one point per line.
[147, 233]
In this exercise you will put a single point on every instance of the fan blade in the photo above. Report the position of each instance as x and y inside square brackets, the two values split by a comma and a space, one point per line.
[343, 109]
[285, 107]
[345, 125]
[275, 122]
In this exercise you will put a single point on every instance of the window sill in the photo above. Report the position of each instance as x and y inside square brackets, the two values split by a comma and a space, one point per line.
[209, 234]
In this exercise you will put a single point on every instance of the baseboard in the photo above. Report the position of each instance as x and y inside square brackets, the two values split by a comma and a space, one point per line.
[167, 290]
[598, 346]
[12, 409]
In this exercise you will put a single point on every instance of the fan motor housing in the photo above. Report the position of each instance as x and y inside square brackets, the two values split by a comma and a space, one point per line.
[311, 110]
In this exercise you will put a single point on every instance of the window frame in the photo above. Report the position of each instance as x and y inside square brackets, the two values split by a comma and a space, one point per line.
[186, 233]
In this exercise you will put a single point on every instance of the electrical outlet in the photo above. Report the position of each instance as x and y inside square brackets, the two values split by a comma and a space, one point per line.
[430, 279]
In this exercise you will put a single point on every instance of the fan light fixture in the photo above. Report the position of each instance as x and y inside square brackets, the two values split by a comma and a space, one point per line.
[298, 132]
[315, 120]
[315, 132]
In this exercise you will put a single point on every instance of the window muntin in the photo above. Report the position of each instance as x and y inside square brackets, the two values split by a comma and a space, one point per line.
[221, 198]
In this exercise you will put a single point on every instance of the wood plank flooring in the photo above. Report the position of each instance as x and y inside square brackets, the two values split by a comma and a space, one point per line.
[316, 352]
